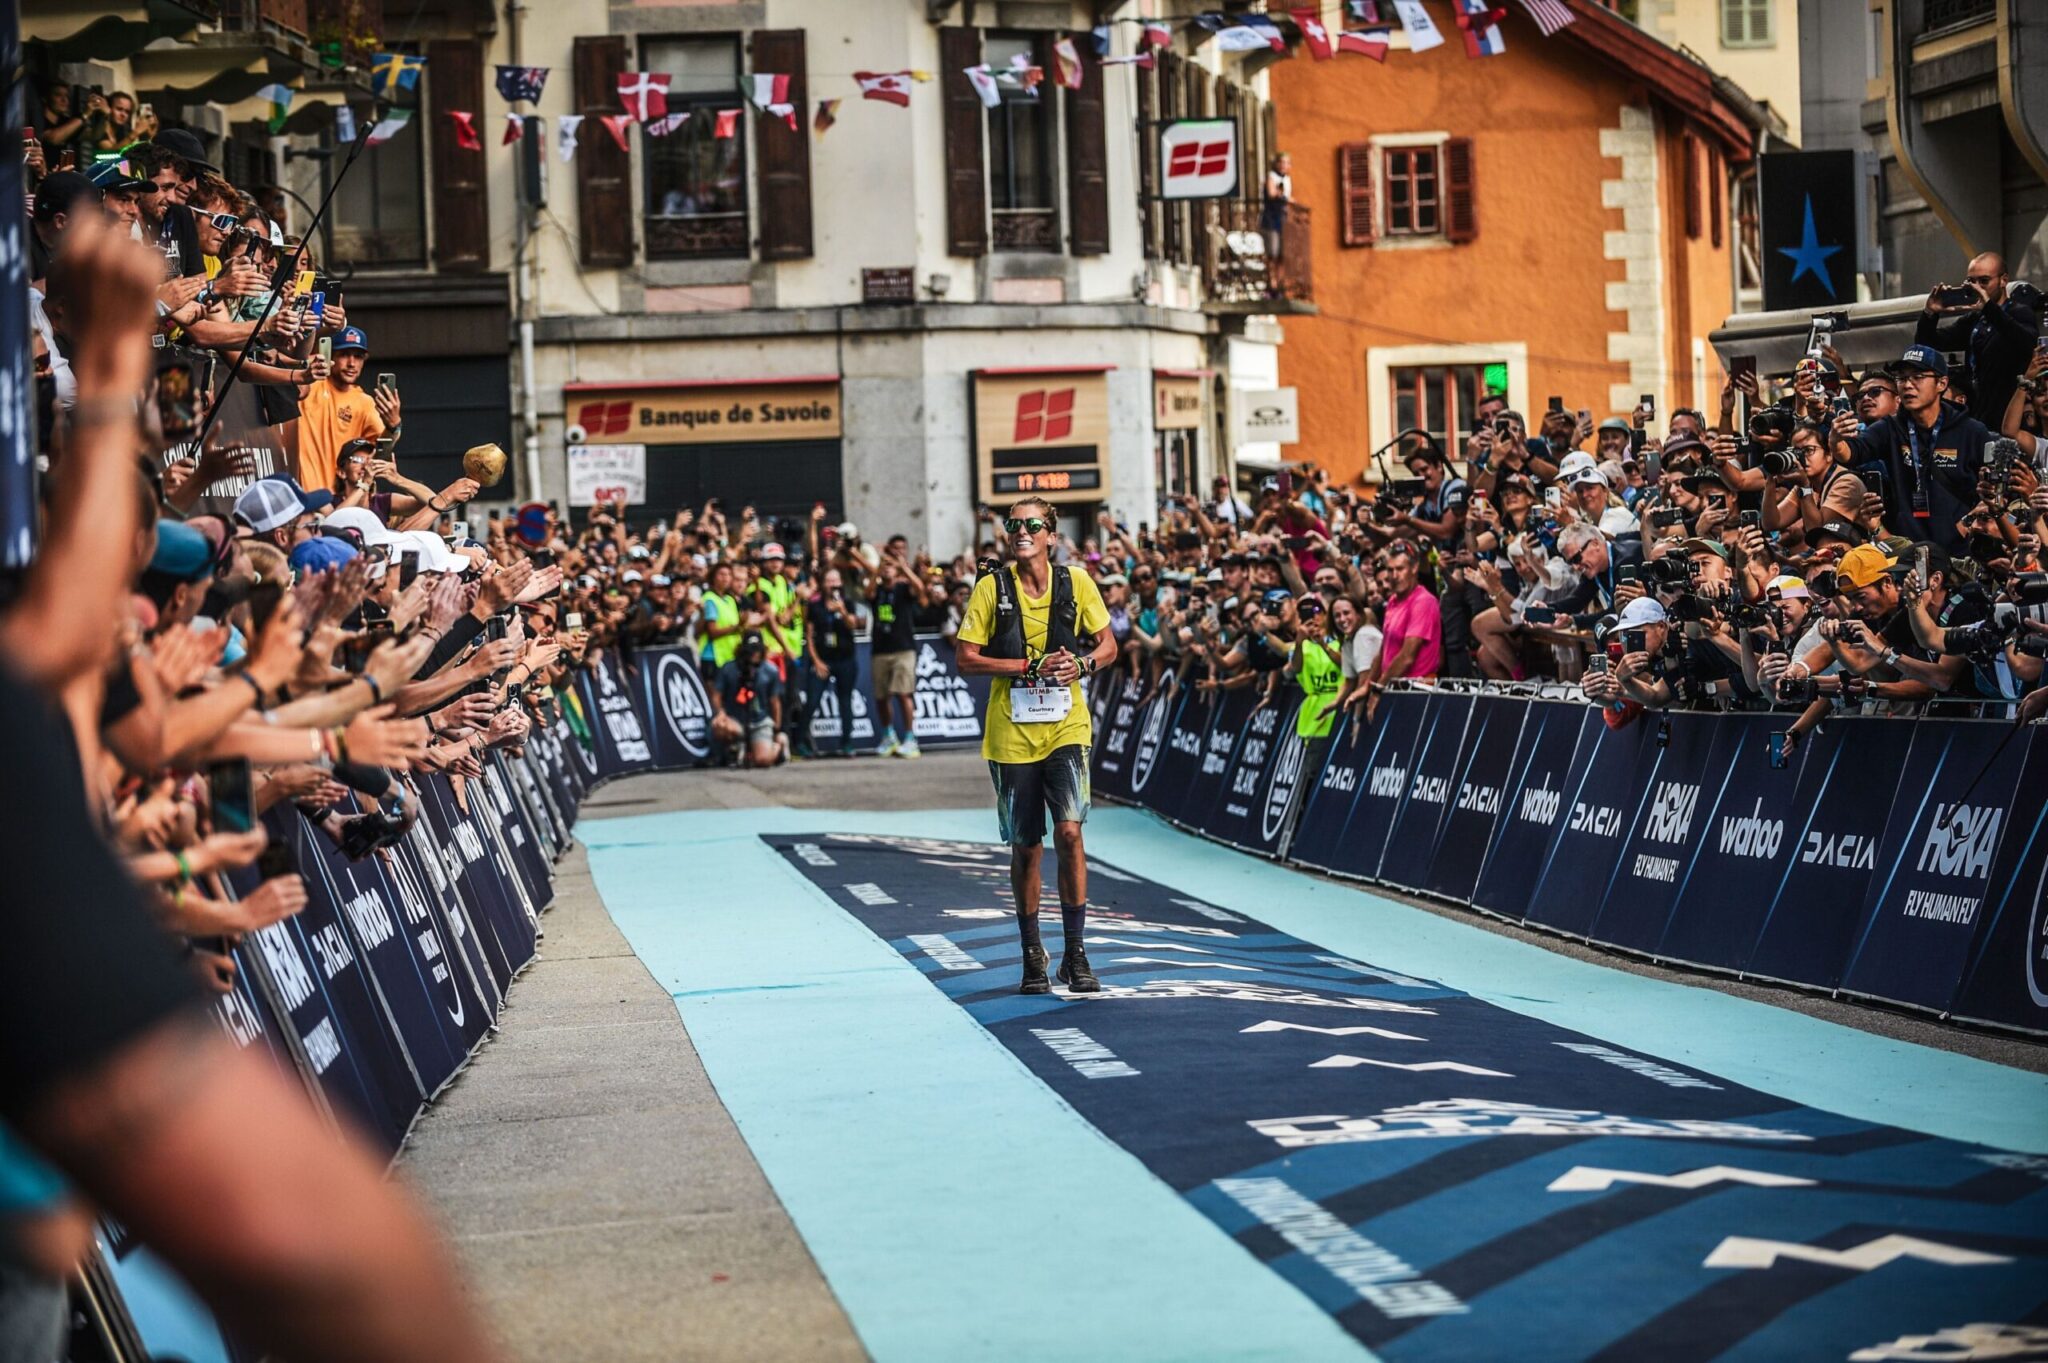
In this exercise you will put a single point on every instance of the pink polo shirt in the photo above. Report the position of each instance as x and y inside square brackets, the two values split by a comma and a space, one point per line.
[1414, 616]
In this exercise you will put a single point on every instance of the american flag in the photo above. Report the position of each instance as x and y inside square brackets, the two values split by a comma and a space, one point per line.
[522, 83]
[1550, 15]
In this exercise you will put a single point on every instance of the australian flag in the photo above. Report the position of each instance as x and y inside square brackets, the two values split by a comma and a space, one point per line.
[522, 83]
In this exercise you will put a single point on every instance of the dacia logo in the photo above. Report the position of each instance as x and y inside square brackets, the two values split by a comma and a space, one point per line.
[1849, 851]
[1388, 781]
[1430, 790]
[1752, 835]
[1670, 816]
[1479, 799]
[1337, 777]
[1961, 840]
[1602, 821]
[1540, 803]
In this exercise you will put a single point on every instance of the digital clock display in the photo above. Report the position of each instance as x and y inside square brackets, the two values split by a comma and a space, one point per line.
[1051, 480]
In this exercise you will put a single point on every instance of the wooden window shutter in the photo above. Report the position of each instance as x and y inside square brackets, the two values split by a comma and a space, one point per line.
[1689, 166]
[1087, 163]
[604, 186]
[455, 81]
[1354, 190]
[966, 178]
[1461, 218]
[1716, 172]
[782, 154]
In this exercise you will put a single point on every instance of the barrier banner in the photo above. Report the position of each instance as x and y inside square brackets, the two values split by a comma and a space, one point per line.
[1610, 772]
[1258, 793]
[948, 706]
[1171, 788]
[1412, 842]
[1493, 748]
[678, 707]
[413, 860]
[1115, 737]
[518, 846]
[321, 985]
[507, 930]
[1331, 788]
[1227, 723]
[2006, 978]
[1689, 774]
[1149, 752]
[1951, 817]
[612, 704]
[1394, 734]
[1540, 803]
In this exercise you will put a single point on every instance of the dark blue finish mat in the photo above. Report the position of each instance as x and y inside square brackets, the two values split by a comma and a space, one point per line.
[1454, 1181]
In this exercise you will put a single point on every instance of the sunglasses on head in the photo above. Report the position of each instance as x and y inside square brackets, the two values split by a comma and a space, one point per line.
[1036, 525]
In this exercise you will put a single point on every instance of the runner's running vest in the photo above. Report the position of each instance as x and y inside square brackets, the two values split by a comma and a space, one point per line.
[1008, 640]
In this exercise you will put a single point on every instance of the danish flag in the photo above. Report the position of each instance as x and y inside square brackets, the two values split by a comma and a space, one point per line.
[644, 94]
[890, 87]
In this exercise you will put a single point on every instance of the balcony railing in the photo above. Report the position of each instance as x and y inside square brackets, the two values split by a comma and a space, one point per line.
[1936, 15]
[1240, 266]
[264, 16]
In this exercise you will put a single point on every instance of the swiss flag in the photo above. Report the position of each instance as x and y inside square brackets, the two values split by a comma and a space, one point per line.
[1317, 37]
[644, 94]
[890, 87]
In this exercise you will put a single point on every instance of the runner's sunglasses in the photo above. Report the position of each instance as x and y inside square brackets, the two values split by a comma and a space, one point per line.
[1037, 525]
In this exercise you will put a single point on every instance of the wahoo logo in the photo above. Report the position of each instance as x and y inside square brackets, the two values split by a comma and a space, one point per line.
[1044, 414]
[1430, 790]
[1389, 781]
[1479, 799]
[604, 418]
[1602, 821]
[1849, 851]
[1340, 778]
[1752, 835]
[372, 920]
[1148, 744]
[1961, 840]
[1280, 795]
[1540, 803]
[1670, 816]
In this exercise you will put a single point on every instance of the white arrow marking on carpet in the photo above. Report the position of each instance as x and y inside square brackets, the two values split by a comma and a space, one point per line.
[1186, 965]
[1588, 1179]
[1330, 1031]
[1149, 946]
[1340, 1062]
[1109, 873]
[1739, 1251]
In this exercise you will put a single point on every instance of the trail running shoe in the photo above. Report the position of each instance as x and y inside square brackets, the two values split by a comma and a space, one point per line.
[1035, 982]
[908, 748]
[889, 745]
[1076, 974]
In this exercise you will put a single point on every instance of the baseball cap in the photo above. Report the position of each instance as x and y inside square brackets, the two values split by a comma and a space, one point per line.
[631, 575]
[1863, 565]
[1709, 475]
[848, 530]
[186, 146]
[351, 338]
[116, 176]
[661, 580]
[1614, 423]
[58, 193]
[435, 556]
[1840, 530]
[1615, 471]
[1276, 596]
[1589, 477]
[1700, 546]
[1112, 580]
[1644, 610]
[1684, 447]
[364, 522]
[1918, 358]
[275, 502]
[1790, 587]
[1214, 575]
[321, 554]
[181, 552]
[1570, 466]
[773, 549]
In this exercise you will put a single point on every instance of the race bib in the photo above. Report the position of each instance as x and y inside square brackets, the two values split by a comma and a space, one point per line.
[1039, 704]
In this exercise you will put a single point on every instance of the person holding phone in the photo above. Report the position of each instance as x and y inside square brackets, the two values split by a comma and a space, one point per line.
[334, 409]
[1993, 321]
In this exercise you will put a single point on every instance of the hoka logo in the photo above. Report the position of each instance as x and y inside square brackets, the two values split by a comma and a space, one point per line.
[1389, 781]
[1961, 840]
[1850, 851]
[1670, 817]
[1540, 803]
[1752, 835]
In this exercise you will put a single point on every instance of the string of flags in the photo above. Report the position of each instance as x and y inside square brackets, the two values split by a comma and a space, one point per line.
[643, 95]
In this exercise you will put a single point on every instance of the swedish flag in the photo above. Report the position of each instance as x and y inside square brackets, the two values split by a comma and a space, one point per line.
[394, 71]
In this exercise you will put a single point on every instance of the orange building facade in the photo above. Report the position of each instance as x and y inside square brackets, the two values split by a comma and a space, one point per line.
[1554, 220]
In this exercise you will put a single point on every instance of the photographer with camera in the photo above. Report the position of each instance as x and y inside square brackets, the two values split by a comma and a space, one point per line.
[1929, 454]
[1805, 487]
[1873, 640]
[2003, 641]
[1993, 321]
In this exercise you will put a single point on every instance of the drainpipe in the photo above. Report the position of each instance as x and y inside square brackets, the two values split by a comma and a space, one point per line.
[523, 289]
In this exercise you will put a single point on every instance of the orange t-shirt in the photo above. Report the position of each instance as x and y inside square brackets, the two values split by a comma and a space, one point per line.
[328, 419]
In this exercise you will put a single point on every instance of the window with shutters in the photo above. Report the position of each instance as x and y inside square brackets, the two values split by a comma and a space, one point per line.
[1443, 399]
[1689, 166]
[696, 181]
[1410, 175]
[1407, 189]
[1022, 192]
[1716, 210]
[1747, 23]
[380, 211]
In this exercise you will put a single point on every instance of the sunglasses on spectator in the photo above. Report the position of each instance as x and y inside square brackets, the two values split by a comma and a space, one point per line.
[1036, 525]
[224, 222]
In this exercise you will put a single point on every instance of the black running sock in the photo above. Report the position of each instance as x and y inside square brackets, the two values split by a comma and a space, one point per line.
[1027, 928]
[1073, 921]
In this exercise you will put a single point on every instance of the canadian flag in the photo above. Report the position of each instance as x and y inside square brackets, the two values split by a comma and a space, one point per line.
[890, 87]
[644, 94]
[1066, 63]
[768, 90]
[1154, 34]
[1366, 42]
[1317, 37]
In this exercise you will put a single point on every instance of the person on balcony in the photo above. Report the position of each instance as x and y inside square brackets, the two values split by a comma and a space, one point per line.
[1273, 216]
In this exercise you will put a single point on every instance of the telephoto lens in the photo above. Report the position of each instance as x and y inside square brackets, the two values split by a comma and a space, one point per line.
[1778, 463]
